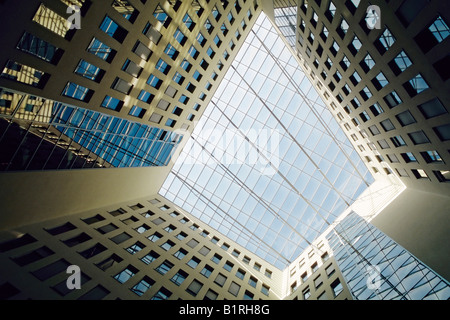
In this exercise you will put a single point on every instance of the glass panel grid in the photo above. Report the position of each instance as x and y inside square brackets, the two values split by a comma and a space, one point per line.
[377, 268]
[256, 157]
[87, 138]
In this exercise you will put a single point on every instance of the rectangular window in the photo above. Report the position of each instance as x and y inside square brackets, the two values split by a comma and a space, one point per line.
[418, 137]
[224, 29]
[179, 277]
[121, 85]
[387, 125]
[142, 286]
[39, 48]
[150, 257]
[331, 11]
[432, 156]
[398, 141]
[210, 52]
[162, 294]
[120, 238]
[101, 50]
[109, 262]
[135, 248]
[432, 108]
[194, 287]
[234, 288]
[107, 228]
[392, 99]
[265, 290]
[171, 51]
[364, 116]
[193, 263]
[188, 22]
[60, 229]
[355, 45]
[405, 118]
[439, 29]
[192, 243]
[142, 228]
[93, 219]
[142, 51]
[111, 28]
[442, 176]
[126, 274]
[342, 28]
[112, 103]
[416, 85]
[380, 81]
[127, 11]
[365, 93]
[400, 63]
[419, 174]
[220, 279]
[51, 20]
[207, 270]
[78, 239]
[385, 41]
[443, 132]
[51, 270]
[154, 81]
[337, 287]
[167, 245]
[334, 48]
[33, 256]
[324, 33]
[193, 52]
[146, 96]
[132, 68]
[181, 236]
[216, 258]
[180, 254]
[89, 71]
[355, 78]
[240, 274]
[253, 282]
[367, 63]
[408, 157]
[186, 65]
[117, 212]
[228, 266]
[248, 295]
[164, 267]
[24, 74]
[383, 144]
[162, 66]
[318, 282]
[180, 37]
[161, 16]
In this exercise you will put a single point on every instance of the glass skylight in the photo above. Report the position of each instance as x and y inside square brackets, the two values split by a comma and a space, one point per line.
[267, 164]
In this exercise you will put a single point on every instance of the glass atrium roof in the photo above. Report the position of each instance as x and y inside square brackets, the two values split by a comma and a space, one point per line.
[267, 164]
